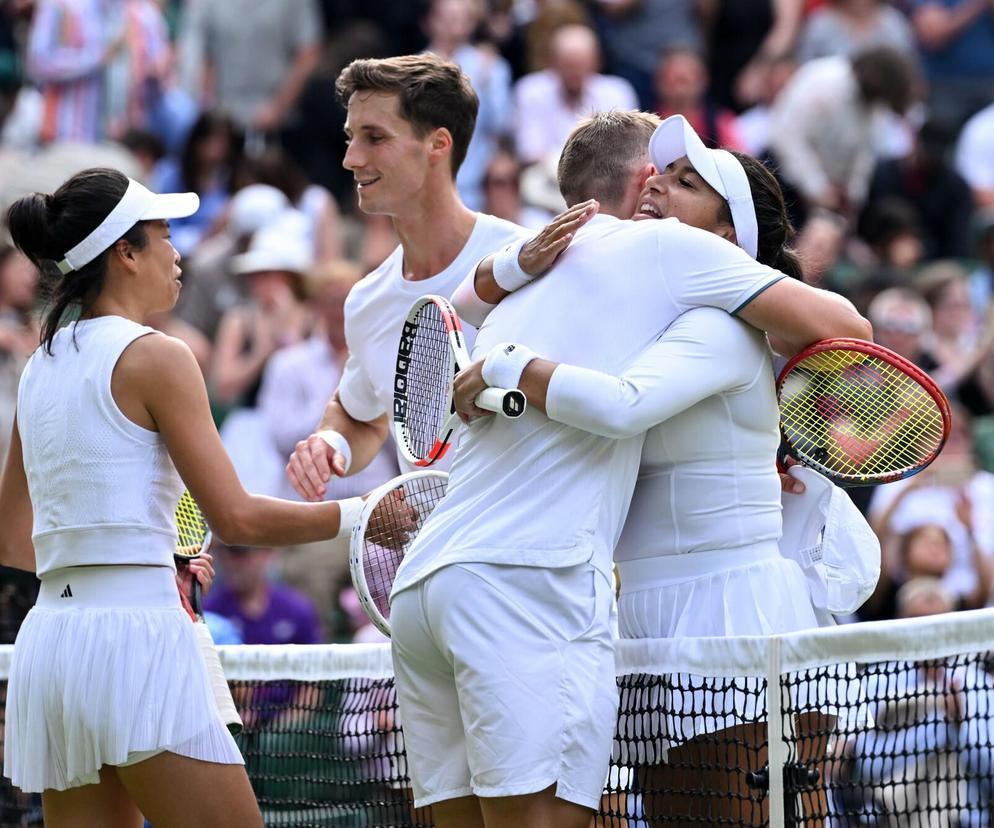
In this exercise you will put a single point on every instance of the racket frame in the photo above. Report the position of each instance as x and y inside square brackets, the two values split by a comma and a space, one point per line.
[357, 542]
[895, 360]
[509, 402]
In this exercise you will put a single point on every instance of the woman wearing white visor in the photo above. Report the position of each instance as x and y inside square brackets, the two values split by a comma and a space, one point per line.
[698, 556]
[109, 709]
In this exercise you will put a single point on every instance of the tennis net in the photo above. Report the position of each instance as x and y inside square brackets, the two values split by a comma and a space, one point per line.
[883, 724]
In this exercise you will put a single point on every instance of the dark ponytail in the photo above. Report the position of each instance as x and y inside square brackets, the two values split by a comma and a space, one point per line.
[776, 233]
[45, 227]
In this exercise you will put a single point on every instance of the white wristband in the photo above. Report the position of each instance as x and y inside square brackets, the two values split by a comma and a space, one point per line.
[507, 271]
[505, 364]
[351, 508]
[338, 443]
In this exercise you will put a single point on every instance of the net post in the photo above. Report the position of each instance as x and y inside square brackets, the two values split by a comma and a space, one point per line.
[776, 747]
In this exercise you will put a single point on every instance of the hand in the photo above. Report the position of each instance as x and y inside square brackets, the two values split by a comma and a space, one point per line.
[393, 521]
[311, 465]
[540, 253]
[201, 568]
[791, 485]
[466, 386]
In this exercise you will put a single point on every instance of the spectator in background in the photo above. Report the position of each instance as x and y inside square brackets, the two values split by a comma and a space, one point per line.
[549, 103]
[846, 27]
[824, 124]
[926, 182]
[975, 156]
[252, 57]
[982, 276]
[892, 230]
[819, 246]
[933, 497]
[264, 612]
[205, 167]
[502, 193]
[754, 124]
[275, 316]
[637, 32]
[901, 319]
[450, 25]
[19, 333]
[957, 44]
[296, 384]
[681, 85]
[957, 351]
[69, 47]
[209, 286]
[323, 231]
[743, 36]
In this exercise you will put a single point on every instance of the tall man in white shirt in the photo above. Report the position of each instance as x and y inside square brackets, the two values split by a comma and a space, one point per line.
[409, 123]
[502, 647]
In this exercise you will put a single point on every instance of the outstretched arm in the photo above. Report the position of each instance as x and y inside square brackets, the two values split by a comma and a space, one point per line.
[701, 354]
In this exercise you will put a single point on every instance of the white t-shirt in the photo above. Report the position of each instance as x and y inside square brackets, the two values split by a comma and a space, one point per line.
[973, 150]
[705, 393]
[377, 306]
[534, 492]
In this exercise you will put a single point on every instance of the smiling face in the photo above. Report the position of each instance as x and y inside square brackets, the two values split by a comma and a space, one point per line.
[389, 161]
[679, 192]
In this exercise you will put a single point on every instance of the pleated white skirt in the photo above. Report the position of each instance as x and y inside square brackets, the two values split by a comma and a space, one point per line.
[725, 593]
[106, 671]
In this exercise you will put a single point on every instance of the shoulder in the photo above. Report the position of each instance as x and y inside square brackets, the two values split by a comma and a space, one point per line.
[534, 84]
[374, 284]
[494, 230]
[156, 359]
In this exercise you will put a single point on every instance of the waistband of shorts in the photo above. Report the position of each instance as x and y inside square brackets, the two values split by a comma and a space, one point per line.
[107, 587]
[668, 570]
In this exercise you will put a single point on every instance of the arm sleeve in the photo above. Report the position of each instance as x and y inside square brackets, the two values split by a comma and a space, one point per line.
[469, 306]
[357, 393]
[700, 269]
[701, 354]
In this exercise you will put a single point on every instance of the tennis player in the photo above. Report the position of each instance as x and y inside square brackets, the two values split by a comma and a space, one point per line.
[409, 123]
[502, 645]
[698, 556]
[109, 708]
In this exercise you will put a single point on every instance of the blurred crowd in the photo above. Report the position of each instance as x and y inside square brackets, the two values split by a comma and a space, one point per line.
[877, 116]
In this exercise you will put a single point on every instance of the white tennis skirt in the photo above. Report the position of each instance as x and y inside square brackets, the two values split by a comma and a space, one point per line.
[734, 592]
[106, 671]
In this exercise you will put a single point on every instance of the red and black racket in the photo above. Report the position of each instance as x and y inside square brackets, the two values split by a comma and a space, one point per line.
[859, 413]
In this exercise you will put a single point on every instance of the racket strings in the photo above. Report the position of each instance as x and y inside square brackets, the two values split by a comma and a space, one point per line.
[857, 415]
[191, 526]
[429, 381]
[392, 527]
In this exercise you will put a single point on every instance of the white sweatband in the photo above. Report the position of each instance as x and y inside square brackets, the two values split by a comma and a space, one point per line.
[507, 271]
[338, 443]
[351, 508]
[505, 364]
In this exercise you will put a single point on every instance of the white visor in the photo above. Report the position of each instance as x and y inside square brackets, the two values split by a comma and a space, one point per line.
[675, 138]
[137, 204]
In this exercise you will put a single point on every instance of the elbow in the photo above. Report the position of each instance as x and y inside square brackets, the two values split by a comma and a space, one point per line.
[236, 526]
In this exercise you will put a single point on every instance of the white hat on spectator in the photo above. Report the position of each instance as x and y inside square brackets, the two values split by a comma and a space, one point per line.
[675, 138]
[283, 244]
[255, 206]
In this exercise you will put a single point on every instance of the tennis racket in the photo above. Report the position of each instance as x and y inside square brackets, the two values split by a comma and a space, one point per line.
[194, 537]
[432, 349]
[387, 526]
[859, 413]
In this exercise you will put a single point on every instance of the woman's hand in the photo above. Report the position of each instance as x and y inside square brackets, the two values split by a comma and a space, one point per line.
[201, 568]
[393, 521]
[466, 386]
[540, 252]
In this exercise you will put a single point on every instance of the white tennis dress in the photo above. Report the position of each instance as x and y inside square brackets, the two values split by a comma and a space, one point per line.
[106, 669]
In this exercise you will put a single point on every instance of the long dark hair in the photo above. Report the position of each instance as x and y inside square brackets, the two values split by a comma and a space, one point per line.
[776, 233]
[205, 126]
[45, 226]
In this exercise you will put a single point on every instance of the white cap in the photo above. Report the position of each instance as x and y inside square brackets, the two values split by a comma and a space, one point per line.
[675, 138]
[137, 204]
[282, 245]
[255, 206]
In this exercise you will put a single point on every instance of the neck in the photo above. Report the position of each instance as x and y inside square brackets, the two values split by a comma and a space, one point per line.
[432, 231]
[110, 304]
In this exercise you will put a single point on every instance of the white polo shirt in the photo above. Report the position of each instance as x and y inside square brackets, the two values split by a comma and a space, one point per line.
[377, 306]
[534, 492]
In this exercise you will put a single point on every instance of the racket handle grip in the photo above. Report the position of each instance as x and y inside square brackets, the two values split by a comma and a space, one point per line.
[219, 684]
[509, 402]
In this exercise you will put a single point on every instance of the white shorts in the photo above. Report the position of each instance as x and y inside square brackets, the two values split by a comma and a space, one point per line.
[106, 671]
[505, 680]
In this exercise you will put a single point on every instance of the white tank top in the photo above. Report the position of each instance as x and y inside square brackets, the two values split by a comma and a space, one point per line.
[103, 489]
